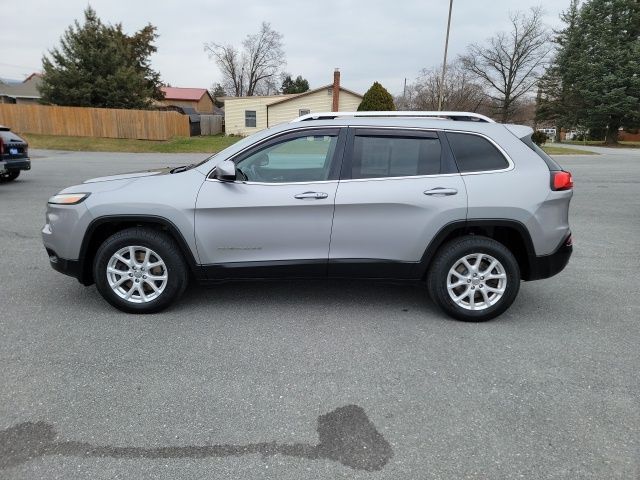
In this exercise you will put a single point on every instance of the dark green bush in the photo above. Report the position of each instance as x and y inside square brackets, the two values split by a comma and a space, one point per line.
[539, 138]
[377, 98]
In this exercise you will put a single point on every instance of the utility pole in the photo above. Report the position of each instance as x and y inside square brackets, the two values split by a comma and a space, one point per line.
[404, 94]
[444, 64]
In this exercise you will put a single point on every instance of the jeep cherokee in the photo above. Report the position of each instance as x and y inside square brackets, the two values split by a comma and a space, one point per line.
[465, 205]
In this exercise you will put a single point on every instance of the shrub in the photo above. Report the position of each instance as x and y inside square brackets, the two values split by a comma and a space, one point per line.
[377, 99]
[539, 138]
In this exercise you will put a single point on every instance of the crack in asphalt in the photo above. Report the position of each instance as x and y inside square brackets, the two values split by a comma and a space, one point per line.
[346, 435]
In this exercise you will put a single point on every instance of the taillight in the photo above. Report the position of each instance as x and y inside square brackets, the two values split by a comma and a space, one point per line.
[561, 180]
[1, 147]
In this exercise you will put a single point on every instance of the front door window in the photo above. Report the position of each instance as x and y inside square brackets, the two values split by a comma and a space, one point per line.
[302, 159]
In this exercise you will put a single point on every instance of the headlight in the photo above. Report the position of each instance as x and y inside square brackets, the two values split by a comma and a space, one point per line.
[68, 198]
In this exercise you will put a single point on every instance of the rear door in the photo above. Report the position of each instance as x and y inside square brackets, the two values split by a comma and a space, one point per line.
[398, 188]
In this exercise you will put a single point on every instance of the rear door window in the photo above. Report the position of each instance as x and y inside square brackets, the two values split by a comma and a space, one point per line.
[474, 153]
[380, 156]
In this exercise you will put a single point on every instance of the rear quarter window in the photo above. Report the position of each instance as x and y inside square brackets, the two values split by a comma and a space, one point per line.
[474, 153]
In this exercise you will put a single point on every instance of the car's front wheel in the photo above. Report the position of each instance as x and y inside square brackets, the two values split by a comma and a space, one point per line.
[140, 270]
[9, 176]
[474, 278]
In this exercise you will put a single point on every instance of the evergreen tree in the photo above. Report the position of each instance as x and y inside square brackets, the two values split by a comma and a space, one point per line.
[556, 101]
[377, 98]
[597, 68]
[218, 91]
[98, 65]
[299, 85]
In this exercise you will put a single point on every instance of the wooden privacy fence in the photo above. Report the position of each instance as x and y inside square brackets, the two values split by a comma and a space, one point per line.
[94, 122]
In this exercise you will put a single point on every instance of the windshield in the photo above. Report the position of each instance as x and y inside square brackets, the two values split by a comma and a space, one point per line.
[239, 145]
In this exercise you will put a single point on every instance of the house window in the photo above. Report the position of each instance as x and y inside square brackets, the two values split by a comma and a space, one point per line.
[330, 91]
[303, 111]
[250, 118]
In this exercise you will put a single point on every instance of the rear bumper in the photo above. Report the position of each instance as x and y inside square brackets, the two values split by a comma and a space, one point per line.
[17, 164]
[546, 266]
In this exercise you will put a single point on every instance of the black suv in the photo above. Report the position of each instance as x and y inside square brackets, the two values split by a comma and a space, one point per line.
[14, 155]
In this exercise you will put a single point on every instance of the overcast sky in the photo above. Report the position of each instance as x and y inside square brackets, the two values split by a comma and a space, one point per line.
[368, 40]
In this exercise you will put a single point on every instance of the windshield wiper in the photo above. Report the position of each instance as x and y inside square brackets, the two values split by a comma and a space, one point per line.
[182, 168]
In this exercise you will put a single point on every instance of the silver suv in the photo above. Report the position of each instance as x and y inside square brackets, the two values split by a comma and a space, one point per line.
[468, 206]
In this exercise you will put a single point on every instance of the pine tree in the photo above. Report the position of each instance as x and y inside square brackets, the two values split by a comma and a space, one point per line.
[556, 101]
[217, 93]
[598, 67]
[98, 65]
[377, 98]
[299, 85]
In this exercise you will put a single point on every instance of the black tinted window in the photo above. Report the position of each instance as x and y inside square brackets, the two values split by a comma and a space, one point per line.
[382, 156]
[475, 154]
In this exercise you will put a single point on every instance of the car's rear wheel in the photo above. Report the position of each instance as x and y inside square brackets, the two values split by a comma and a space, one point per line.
[9, 176]
[474, 278]
[140, 270]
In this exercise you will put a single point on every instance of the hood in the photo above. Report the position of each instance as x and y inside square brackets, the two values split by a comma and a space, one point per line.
[123, 176]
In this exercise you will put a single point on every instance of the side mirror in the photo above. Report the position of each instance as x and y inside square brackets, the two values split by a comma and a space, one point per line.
[225, 171]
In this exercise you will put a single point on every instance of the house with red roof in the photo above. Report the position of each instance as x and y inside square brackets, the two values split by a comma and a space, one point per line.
[196, 98]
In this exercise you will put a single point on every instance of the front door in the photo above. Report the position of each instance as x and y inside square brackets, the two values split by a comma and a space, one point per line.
[275, 219]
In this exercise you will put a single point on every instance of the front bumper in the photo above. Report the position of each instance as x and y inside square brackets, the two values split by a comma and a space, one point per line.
[62, 265]
[545, 266]
[17, 164]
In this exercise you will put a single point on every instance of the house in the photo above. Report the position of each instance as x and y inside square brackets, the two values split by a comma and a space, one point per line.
[247, 115]
[25, 92]
[197, 98]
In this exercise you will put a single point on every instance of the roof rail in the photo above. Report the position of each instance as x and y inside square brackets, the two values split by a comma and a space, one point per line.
[459, 116]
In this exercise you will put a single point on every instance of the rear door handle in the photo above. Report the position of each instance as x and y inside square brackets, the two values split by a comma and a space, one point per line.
[441, 192]
[311, 196]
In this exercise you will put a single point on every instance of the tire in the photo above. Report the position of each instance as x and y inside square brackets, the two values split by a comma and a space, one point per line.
[9, 176]
[478, 298]
[157, 263]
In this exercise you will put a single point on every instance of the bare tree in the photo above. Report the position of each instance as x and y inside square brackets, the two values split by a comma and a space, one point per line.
[228, 59]
[510, 64]
[459, 93]
[255, 70]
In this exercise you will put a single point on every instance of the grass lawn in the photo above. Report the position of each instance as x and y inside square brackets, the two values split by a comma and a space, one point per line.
[209, 144]
[600, 143]
[553, 150]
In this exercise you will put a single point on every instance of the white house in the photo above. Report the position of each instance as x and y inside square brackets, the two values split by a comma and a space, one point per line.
[247, 115]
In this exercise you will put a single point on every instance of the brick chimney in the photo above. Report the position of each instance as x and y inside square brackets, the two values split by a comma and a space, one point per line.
[336, 90]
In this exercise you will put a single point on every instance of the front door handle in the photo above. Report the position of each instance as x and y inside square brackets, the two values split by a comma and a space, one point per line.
[311, 196]
[441, 191]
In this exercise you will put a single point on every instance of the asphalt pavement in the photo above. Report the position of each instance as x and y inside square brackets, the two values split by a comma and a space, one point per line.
[322, 380]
